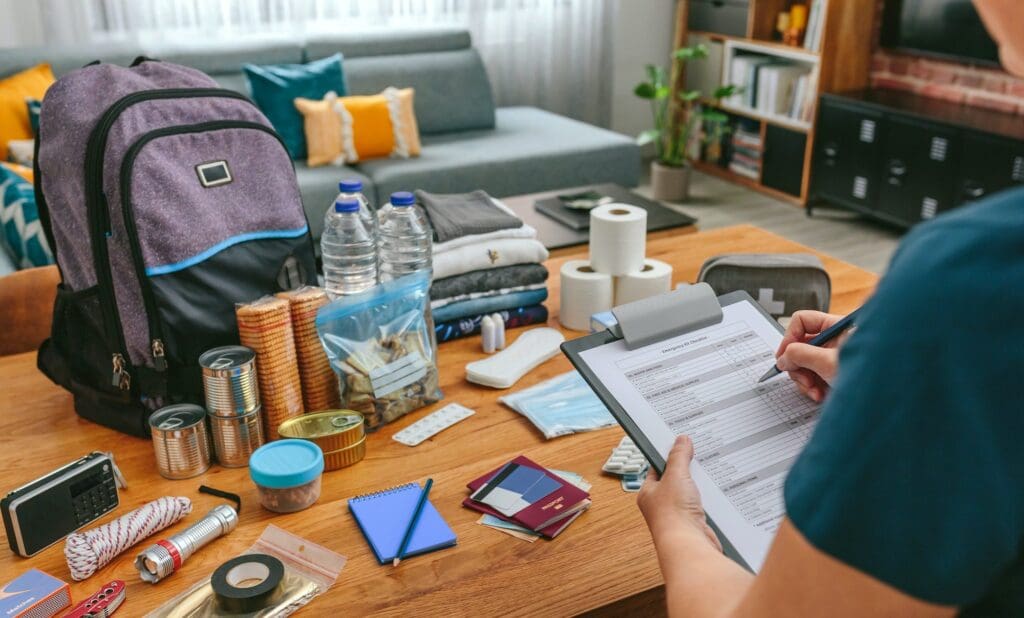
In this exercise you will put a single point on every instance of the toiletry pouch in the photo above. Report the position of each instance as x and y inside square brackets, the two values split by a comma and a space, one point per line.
[782, 283]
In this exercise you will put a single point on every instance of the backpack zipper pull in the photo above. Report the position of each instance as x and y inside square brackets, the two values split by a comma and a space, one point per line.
[120, 379]
[159, 357]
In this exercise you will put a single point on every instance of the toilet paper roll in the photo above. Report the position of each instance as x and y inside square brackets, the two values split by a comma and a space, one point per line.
[618, 238]
[584, 293]
[653, 278]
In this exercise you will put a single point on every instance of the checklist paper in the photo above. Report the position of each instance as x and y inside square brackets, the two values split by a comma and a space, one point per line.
[746, 435]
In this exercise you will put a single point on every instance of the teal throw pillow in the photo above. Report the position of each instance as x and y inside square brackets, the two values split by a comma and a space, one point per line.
[275, 87]
[33, 114]
[23, 235]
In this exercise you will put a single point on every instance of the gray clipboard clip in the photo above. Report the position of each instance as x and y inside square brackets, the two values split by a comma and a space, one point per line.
[660, 317]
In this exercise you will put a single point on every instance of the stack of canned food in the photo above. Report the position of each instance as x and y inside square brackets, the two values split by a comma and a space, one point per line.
[233, 403]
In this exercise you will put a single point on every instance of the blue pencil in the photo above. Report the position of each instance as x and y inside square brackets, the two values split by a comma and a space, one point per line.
[819, 340]
[412, 522]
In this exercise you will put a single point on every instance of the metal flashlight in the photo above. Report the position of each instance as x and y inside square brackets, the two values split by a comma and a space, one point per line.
[167, 555]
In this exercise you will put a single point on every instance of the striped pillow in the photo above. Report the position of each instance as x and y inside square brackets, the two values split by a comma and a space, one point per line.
[23, 235]
[342, 130]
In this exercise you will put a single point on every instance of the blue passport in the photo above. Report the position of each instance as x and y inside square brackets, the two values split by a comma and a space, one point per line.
[384, 516]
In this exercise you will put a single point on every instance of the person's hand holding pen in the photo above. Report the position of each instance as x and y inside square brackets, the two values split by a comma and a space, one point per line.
[812, 368]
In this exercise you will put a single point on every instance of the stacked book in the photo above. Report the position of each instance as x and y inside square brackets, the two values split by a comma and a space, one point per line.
[746, 152]
[527, 500]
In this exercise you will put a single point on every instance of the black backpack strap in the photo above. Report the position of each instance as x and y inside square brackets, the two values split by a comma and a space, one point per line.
[41, 209]
[140, 59]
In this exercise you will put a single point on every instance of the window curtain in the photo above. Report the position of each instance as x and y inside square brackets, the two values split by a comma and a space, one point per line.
[553, 54]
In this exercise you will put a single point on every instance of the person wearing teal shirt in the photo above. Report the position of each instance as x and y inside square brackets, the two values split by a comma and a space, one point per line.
[908, 500]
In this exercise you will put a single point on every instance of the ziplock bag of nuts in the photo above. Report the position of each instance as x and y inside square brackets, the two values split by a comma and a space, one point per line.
[381, 344]
[279, 574]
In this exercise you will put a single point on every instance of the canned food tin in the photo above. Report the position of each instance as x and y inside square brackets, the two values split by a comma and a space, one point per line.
[236, 437]
[346, 456]
[331, 431]
[229, 380]
[180, 440]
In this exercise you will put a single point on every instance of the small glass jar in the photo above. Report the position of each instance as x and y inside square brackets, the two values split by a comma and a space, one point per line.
[287, 474]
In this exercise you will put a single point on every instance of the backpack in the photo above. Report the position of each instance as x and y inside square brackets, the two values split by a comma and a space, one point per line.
[166, 200]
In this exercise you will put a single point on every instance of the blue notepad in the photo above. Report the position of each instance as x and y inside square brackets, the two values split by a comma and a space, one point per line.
[384, 516]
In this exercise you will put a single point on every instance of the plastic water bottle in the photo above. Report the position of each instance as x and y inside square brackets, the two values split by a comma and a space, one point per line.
[405, 237]
[352, 189]
[349, 250]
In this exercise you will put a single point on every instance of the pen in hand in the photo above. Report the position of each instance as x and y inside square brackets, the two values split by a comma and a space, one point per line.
[819, 340]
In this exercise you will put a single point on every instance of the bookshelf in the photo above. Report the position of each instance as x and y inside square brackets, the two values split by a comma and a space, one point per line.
[840, 62]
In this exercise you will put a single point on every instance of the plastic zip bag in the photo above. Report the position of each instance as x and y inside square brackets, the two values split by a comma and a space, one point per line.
[560, 406]
[381, 344]
[309, 570]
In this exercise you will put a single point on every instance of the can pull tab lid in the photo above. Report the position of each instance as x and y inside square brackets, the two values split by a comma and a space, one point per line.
[119, 479]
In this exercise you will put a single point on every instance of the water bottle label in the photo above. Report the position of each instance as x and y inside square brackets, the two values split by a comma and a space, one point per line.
[394, 376]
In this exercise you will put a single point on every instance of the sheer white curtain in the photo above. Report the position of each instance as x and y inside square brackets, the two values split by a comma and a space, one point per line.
[553, 54]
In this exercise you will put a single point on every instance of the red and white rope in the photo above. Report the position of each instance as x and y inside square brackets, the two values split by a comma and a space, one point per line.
[89, 551]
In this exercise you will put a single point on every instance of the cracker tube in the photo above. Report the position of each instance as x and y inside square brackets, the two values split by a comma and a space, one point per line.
[89, 551]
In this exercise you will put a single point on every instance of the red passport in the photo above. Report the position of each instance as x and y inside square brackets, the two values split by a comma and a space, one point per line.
[544, 516]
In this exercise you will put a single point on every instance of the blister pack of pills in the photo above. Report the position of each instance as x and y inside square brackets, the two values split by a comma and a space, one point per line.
[432, 424]
[626, 459]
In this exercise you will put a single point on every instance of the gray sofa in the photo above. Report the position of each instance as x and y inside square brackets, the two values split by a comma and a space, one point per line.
[467, 142]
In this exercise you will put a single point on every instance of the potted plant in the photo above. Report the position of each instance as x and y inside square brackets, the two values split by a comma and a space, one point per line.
[676, 120]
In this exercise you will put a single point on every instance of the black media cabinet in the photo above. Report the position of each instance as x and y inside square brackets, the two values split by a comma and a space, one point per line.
[901, 158]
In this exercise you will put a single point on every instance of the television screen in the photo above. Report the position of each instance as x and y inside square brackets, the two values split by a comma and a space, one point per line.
[946, 28]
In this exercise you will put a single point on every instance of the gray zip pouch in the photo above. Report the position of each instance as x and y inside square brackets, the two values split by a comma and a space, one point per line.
[782, 283]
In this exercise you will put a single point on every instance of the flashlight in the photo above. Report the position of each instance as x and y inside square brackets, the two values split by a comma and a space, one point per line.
[167, 555]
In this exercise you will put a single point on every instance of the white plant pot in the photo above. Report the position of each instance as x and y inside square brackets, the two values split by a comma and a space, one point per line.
[670, 184]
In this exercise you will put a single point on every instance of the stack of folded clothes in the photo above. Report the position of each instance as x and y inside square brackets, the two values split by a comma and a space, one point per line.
[486, 261]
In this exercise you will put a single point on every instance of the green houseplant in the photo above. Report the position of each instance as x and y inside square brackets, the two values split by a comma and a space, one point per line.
[677, 121]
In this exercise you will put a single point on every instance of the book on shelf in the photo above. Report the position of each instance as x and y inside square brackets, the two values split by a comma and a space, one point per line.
[815, 25]
[777, 87]
[743, 73]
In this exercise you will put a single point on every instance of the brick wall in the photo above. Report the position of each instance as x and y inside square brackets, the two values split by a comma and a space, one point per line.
[949, 81]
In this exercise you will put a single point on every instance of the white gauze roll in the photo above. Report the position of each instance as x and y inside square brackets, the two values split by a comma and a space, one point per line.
[618, 238]
[653, 278]
[584, 292]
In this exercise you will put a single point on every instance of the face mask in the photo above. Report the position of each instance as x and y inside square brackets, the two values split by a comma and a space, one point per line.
[562, 405]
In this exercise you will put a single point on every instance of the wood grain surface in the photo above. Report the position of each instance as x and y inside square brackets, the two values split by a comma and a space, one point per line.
[604, 558]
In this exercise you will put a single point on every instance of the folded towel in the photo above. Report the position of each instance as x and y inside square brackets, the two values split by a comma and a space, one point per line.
[461, 214]
[487, 280]
[480, 306]
[444, 302]
[490, 254]
[464, 327]
[523, 231]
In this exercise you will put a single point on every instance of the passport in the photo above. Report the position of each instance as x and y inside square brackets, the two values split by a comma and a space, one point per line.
[523, 484]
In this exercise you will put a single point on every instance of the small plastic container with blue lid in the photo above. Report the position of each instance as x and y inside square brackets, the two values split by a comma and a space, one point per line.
[287, 474]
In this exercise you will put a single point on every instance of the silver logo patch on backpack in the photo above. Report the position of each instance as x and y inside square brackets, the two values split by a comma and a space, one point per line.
[214, 173]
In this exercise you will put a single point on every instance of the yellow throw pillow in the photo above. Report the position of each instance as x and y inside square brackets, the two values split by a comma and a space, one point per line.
[29, 84]
[342, 130]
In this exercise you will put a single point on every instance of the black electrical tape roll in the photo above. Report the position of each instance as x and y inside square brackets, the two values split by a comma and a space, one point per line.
[266, 570]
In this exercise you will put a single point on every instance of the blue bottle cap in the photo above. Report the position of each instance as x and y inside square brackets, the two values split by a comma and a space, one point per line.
[350, 185]
[286, 463]
[402, 198]
[346, 206]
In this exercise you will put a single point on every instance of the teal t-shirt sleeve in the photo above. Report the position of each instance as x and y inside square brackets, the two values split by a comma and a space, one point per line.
[913, 475]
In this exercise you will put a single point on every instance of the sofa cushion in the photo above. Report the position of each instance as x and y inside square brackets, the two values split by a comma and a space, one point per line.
[452, 89]
[275, 87]
[387, 42]
[319, 187]
[529, 150]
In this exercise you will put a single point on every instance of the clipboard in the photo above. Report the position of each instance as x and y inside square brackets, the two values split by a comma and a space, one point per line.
[648, 321]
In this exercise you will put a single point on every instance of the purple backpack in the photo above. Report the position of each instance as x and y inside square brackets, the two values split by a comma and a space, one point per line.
[166, 200]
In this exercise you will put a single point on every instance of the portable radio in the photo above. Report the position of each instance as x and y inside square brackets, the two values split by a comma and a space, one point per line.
[46, 510]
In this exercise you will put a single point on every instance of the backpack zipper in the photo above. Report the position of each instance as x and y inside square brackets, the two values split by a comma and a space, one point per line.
[156, 334]
[98, 215]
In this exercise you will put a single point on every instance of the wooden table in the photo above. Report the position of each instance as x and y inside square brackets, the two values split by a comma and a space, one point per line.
[604, 560]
